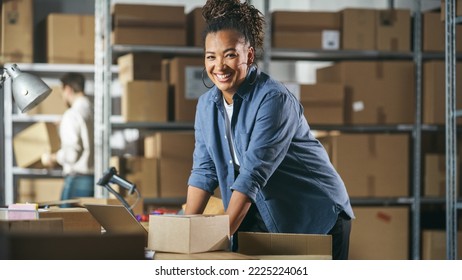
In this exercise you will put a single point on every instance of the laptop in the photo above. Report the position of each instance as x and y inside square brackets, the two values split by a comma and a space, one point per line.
[116, 219]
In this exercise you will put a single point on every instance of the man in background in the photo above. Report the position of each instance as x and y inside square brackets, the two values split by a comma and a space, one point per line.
[76, 155]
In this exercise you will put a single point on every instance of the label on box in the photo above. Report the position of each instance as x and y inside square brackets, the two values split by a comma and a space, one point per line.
[330, 40]
[194, 87]
[358, 106]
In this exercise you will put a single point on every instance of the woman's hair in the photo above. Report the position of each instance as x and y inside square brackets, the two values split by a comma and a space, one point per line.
[232, 14]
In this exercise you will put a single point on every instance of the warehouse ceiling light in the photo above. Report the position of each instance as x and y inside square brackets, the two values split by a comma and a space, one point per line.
[28, 90]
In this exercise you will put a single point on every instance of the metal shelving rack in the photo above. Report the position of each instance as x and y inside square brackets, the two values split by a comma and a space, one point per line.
[10, 172]
[451, 134]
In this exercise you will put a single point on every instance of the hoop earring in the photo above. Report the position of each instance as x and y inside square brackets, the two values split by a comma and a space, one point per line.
[203, 81]
[256, 74]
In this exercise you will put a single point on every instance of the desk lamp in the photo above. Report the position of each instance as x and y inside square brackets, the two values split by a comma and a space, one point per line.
[28, 90]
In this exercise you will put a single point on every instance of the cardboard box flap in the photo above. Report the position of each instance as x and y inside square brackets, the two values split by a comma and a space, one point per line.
[255, 243]
[304, 21]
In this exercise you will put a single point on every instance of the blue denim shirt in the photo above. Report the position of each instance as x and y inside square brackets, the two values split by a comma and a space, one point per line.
[284, 170]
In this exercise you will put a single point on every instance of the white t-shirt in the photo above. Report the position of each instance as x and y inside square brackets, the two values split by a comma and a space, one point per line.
[229, 111]
[76, 155]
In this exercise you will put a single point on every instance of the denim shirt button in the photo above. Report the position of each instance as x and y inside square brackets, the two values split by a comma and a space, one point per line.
[230, 162]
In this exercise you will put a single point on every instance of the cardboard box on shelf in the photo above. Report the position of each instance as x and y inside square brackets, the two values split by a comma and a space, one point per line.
[174, 174]
[74, 219]
[40, 189]
[148, 15]
[376, 157]
[320, 40]
[33, 141]
[434, 244]
[305, 20]
[170, 144]
[392, 99]
[195, 27]
[285, 245]
[70, 38]
[145, 101]
[158, 36]
[435, 175]
[458, 9]
[52, 105]
[358, 29]
[140, 66]
[434, 84]
[433, 33]
[185, 233]
[48, 225]
[380, 233]
[166, 177]
[393, 30]
[310, 30]
[186, 78]
[16, 31]
[324, 103]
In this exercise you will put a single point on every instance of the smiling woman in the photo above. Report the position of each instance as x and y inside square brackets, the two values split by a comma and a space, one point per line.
[253, 141]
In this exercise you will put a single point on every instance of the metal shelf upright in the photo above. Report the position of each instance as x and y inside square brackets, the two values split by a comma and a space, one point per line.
[451, 134]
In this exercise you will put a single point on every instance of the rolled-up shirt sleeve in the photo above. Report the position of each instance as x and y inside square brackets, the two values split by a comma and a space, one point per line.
[203, 174]
[275, 126]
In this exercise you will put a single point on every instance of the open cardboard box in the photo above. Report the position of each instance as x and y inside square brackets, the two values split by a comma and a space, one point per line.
[285, 246]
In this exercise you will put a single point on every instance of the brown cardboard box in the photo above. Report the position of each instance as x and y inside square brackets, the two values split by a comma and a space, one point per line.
[323, 103]
[40, 190]
[170, 144]
[148, 15]
[443, 9]
[435, 175]
[393, 30]
[174, 174]
[381, 92]
[74, 219]
[56, 246]
[309, 30]
[195, 27]
[70, 38]
[166, 177]
[48, 225]
[144, 173]
[434, 245]
[303, 21]
[433, 33]
[285, 245]
[216, 255]
[16, 35]
[52, 105]
[145, 101]
[160, 36]
[185, 233]
[30, 144]
[324, 39]
[381, 166]
[140, 66]
[380, 233]
[358, 29]
[434, 86]
[185, 77]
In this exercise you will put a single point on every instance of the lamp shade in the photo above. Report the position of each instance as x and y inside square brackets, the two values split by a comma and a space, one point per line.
[28, 90]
